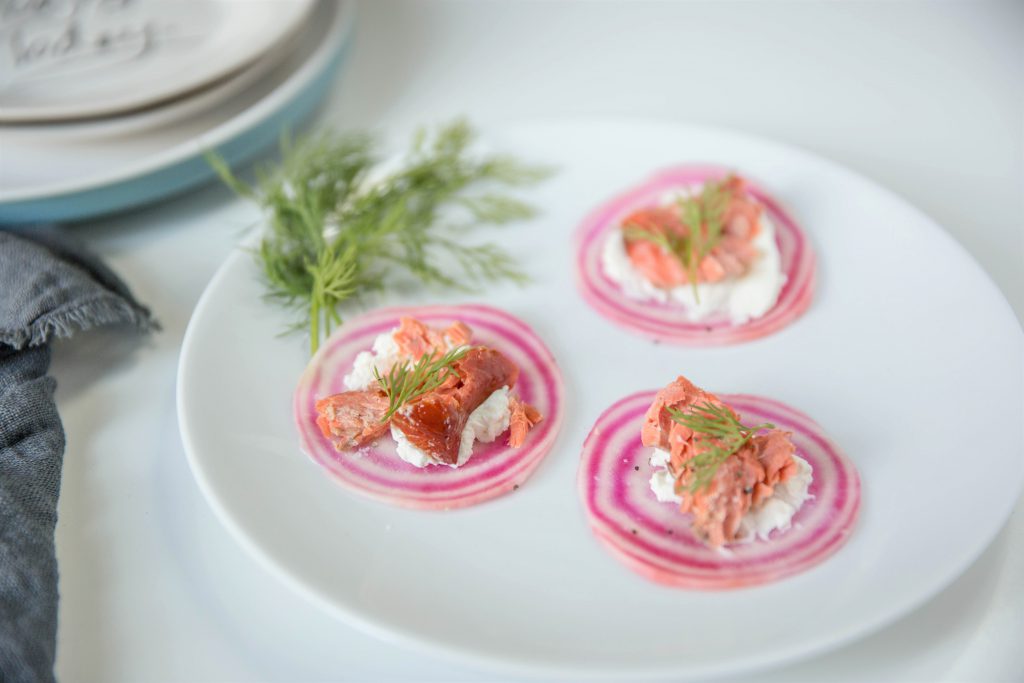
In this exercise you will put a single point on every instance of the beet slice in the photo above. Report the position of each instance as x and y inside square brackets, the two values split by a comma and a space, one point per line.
[666, 321]
[654, 538]
[376, 471]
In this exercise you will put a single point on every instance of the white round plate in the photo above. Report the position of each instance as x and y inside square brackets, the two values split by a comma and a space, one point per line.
[73, 60]
[909, 357]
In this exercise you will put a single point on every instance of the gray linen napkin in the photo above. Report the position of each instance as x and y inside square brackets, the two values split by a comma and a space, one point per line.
[49, 286]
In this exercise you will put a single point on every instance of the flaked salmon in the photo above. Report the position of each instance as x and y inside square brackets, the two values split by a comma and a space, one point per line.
[414, 339]
[352, 419]
[744, 480]
[522, 419]
[732, 255]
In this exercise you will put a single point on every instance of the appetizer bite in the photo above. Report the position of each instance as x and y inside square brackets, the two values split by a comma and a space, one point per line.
[695, 256]
[696, 490]
[435, 407]
[737, 482]
[438, 393]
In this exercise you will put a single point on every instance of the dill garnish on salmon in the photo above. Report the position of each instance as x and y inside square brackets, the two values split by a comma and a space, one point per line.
[720, 471]
[708, 249]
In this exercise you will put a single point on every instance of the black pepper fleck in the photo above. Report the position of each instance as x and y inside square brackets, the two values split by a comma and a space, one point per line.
[636, 467]
[515, 487]
[633, 531]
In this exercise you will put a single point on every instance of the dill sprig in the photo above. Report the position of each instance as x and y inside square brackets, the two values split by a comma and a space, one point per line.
[335, 231]
[721, 435]
[703, 216]
[407, 381]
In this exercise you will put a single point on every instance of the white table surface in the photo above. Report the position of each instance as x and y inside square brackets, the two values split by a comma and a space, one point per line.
[924, 98]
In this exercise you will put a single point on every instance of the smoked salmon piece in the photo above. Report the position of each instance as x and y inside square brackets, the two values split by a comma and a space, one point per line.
[744, 480]
[731, 257]
[459, 334]
[433, 423]
[352, 419]
[661, 431]
[414, 339]
[523, 418]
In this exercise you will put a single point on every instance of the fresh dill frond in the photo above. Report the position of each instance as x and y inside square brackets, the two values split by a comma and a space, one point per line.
[720, 435]
[703, 216]
[333, 280]
[407, 381]
[337, 227]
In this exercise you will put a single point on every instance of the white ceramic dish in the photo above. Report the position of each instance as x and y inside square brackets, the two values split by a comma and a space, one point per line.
[99, 167]
[167, 114]
[87, 59]
[909, 357]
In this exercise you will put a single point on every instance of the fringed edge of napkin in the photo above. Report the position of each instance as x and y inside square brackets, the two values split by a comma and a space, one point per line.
[107, 309]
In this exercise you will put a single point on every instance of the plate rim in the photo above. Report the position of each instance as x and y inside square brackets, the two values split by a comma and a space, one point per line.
[496, 662]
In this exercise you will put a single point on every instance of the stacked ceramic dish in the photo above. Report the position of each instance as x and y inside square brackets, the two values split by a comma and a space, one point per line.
[106, 105]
